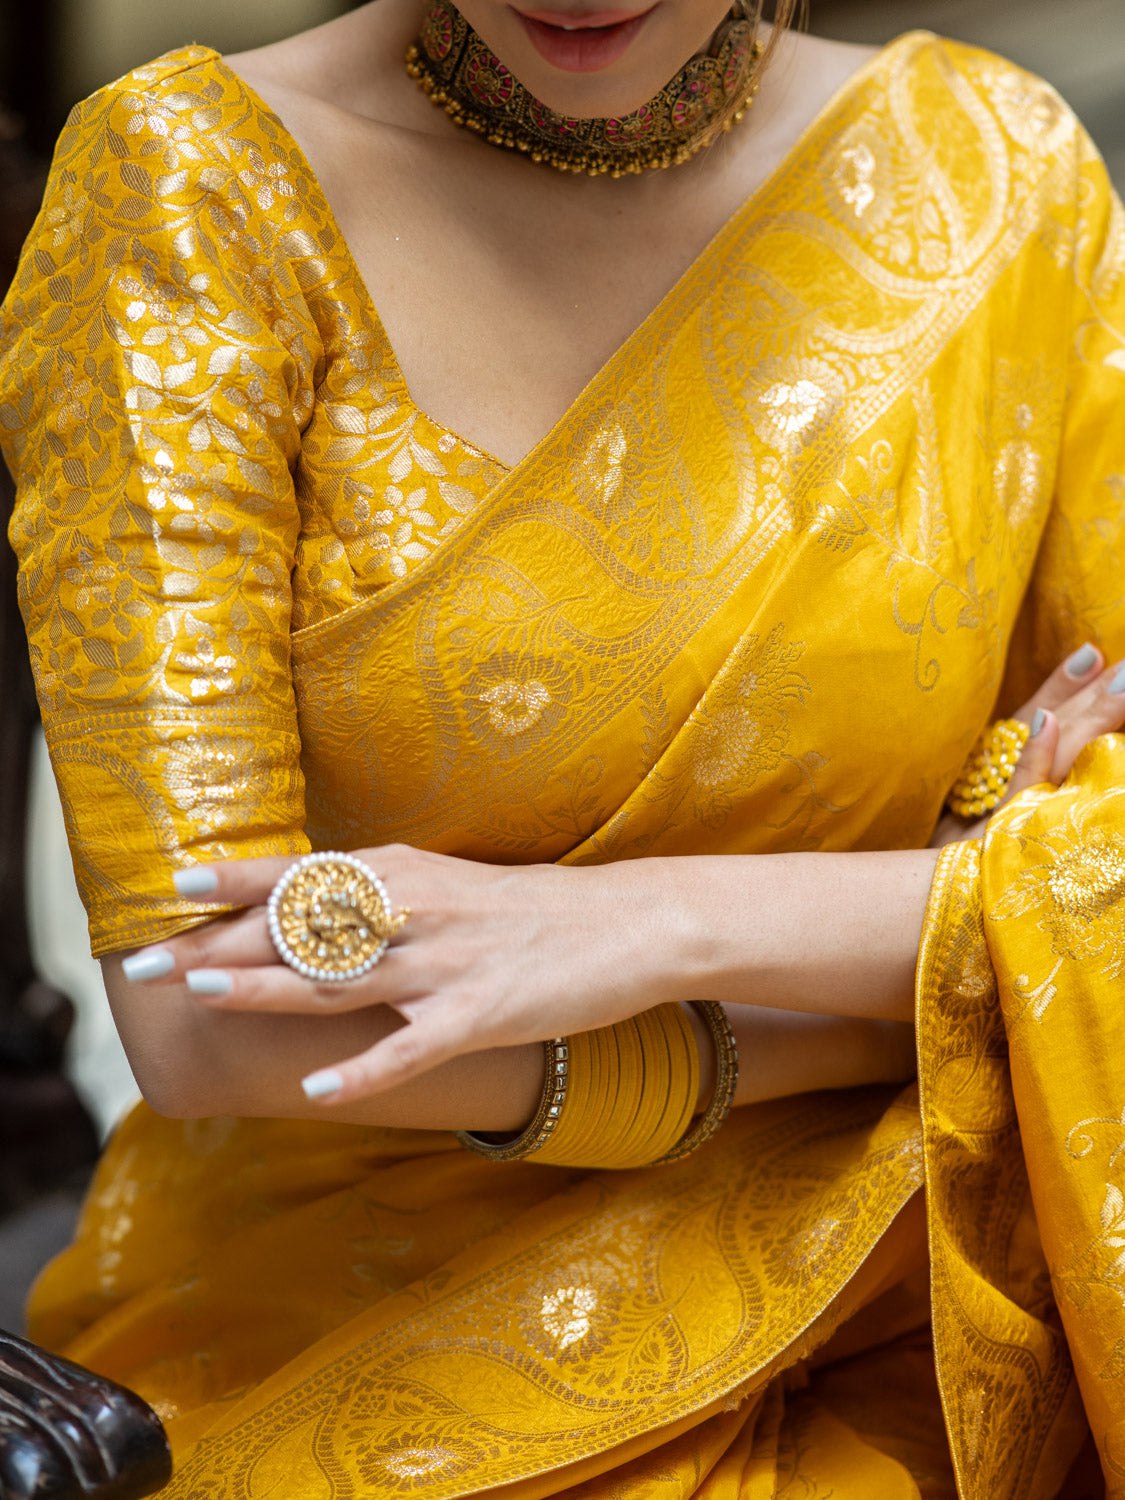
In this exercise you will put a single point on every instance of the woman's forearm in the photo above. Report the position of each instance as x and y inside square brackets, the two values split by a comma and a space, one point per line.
[197, 1062]
[496, 958]
[833, 934]
[202, 1063]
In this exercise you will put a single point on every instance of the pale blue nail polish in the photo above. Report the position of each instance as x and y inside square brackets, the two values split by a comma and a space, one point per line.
[1117, 681]
[198, 881]
[1038, 720]
[322, 1085]
[150, 963]
[1082, 661]
[209, 982]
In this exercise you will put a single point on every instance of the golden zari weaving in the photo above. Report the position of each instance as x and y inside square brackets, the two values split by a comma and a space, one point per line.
[755, 592]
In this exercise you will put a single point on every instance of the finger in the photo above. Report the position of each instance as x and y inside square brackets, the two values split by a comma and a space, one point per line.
[240, 940]
[1099, 709]
[439, 1032]
[280, 990]
[1037, 759]
[249, 882]
[1069, 677]
[233, 882]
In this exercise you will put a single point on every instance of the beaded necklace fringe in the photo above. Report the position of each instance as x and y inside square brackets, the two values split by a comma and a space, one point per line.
[706, 98]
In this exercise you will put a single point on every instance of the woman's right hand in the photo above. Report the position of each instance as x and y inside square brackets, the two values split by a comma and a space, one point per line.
[1082, 699]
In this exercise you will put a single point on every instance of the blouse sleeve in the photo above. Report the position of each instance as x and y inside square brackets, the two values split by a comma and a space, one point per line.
[155, 371]
[1078, 589]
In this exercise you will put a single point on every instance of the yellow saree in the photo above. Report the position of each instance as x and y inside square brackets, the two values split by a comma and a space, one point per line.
[858, 478]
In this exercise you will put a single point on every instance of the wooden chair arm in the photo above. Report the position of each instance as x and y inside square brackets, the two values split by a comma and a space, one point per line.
[67, 1434]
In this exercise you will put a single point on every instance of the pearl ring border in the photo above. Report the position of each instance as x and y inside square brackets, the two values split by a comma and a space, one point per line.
[286, 953]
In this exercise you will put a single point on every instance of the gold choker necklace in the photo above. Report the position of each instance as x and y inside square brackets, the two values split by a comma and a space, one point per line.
[707, 96]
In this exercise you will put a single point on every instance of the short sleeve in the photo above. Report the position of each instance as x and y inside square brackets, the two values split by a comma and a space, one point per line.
[1078, 588]
[156, 366]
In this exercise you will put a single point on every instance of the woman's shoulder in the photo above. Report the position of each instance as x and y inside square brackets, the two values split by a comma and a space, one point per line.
[943, 82]
[183, 112]
[171, 172]
[349, 66]
[926, 104]
[175, 83]
[178, 131]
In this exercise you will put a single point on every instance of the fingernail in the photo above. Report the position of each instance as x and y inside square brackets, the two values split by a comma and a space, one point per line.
[1037, 722]
[209, 982]
[198, 881]
[1117, 681]
[322, 1085]
[150, 963]
[1081, 662]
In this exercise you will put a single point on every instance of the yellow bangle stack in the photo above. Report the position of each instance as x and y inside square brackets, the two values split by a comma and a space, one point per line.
[624, 1096]
[632, 1092]
[989, 768]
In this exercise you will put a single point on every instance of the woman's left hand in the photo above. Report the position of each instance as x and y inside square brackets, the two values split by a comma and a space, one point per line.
[1082, 699]
[490, 956]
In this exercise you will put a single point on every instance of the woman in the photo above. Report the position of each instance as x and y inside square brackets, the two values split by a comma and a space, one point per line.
[623, 565]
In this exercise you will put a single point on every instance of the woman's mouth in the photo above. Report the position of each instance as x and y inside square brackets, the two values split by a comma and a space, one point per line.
[583, 43]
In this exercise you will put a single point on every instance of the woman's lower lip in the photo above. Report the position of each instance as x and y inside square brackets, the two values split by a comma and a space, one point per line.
[584, 51]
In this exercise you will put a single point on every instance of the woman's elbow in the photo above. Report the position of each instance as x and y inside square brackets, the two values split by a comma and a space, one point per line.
[172, 1047]
[181, 1083]
[175, 1098]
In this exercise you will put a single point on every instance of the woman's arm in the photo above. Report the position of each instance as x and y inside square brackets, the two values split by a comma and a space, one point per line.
[192, 1061]
[200, 1062]
[494, 959]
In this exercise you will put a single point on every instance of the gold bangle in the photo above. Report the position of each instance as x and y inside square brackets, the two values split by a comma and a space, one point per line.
[623, 1096]
[989, 769]
[726, 1082]
[547, 1116]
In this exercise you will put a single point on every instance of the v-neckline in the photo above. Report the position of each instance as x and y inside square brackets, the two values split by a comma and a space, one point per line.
[729, 230]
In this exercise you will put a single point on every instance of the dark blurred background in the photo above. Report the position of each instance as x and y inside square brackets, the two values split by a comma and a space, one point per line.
[58, 1097]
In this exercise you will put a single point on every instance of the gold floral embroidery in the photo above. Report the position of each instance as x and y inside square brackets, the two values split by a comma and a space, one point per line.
[271, 183]
[515, 706]
[1019, 480]
[1086, 883]
[1030, 109]
[418, 1463]
[67, 219]
[566, 1314]
[743, 726]
[1075, 884]
[512, 699]
[860, 176]
[604, 457]
[791, 404]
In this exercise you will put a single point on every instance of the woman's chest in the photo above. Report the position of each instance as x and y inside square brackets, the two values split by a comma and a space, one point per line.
[498, 325]
[756, 593]
[498, 328]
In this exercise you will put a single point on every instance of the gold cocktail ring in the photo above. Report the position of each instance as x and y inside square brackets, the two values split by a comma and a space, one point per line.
[330, 917]
[983, 782]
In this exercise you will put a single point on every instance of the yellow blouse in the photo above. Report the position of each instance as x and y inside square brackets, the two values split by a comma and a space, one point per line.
[855, 481]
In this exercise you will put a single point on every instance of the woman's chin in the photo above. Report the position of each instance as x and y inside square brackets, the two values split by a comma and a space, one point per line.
[607, 94]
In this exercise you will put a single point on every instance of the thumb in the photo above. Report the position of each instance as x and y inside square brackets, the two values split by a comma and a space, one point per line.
[1038, 757]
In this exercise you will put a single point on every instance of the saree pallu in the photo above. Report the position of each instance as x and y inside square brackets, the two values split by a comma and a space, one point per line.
[858, 480]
